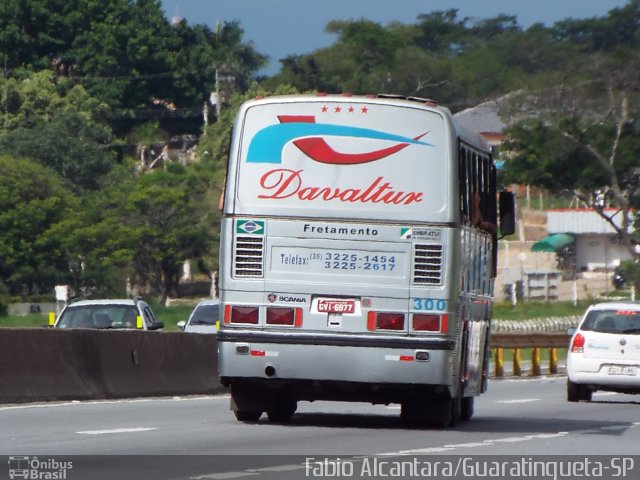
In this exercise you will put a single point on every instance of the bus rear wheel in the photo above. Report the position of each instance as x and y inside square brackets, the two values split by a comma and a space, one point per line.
[246, 403]
[466, 411]
[282, 411]
[247, 415]
[434, 412]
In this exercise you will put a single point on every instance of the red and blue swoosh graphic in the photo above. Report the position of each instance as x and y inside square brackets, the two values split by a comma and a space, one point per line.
[307, 135]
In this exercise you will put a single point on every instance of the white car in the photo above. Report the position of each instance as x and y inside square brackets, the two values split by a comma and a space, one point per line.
[604, 352]
[203, 318]
[122, 313]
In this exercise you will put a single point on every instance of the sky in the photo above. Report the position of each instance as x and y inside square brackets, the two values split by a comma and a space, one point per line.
[278, 28]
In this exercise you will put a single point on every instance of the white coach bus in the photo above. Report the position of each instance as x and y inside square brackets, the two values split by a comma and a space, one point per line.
[357, 257]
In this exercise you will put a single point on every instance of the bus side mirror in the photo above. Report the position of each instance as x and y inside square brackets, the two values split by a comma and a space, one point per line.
[507, 213]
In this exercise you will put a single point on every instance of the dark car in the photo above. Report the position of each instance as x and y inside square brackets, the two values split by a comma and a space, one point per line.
[618, 279]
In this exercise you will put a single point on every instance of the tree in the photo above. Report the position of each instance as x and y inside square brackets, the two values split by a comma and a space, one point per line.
[618, 28]
[58, 125]
[98, 245]
[452, 60]
[39, 96]
[163, 215]
[441, 32]
[127, 54]
[138, 228]
[75, 149]
[589, 124]
[359, 62]
[33, 202]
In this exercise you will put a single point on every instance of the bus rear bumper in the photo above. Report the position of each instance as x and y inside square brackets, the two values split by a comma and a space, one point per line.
[337, 366]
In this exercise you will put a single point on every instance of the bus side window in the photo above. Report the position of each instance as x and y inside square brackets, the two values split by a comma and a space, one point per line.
[466, 185]
[482, 203]
[463, 185]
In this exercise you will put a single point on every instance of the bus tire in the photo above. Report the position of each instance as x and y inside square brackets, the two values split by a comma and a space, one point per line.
[455, 409]
[246, 402]
[434, 412]
[283, 411]
[414, 412]
[466, 411]
[247, 415]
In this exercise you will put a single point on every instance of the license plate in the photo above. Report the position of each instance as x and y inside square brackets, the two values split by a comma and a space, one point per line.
[620, 370]
[336, 306]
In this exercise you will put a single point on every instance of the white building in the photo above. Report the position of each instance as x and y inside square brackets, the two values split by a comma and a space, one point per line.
[597, 247]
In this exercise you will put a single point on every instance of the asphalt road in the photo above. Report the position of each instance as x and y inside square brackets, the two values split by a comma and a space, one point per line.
[200, 438]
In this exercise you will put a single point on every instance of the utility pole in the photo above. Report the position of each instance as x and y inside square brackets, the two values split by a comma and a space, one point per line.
[218, 97]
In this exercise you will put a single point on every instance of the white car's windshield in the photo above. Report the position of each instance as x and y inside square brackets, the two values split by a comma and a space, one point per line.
[205, 315]
[99, 316]
[613, 321]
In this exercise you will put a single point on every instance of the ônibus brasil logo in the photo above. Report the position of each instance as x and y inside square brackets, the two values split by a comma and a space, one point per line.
[267, 144]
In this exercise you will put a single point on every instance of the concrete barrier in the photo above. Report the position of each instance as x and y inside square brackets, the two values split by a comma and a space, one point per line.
[39, 364]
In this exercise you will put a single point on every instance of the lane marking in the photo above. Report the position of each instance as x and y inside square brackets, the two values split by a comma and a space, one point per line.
[550, 435]
[418, 451]
[250, 472]
[223, 476]
[117, 430]
[521, 400]
[544, 378]
[278, 468]
[116, 402]
[513, 439]
[467, 445]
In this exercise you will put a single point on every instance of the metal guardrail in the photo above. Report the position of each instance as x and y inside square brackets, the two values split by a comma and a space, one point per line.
[536, 342]
[533, 335]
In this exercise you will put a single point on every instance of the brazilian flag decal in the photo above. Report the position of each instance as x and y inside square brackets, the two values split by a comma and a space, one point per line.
[251, 227]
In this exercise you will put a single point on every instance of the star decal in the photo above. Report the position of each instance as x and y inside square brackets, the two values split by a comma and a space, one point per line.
[364, 110]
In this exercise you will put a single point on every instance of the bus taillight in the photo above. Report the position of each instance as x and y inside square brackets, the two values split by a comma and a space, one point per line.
[385, 321]
[284, 316]
[426, 322]
[429, 322]
[244, 315]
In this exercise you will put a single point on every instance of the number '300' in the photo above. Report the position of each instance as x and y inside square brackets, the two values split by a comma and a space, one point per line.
[429, 304]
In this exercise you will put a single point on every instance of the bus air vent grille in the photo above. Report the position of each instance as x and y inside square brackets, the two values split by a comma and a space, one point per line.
[427, 264]
[248, 256]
